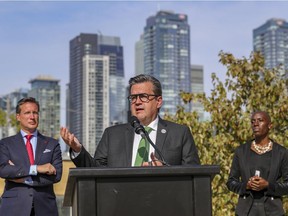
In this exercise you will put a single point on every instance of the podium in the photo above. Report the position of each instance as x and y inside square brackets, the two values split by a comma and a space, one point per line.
[141, 191]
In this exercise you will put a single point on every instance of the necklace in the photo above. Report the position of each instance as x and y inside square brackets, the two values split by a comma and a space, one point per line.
[262, 149]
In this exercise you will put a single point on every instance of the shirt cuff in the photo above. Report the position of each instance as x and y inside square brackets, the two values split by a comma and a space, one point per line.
[33, 170]
[74, 154]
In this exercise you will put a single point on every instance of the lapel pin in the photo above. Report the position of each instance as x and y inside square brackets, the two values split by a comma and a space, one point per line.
[163, 131]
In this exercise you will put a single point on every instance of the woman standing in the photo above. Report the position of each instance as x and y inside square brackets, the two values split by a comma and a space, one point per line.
[259, 172]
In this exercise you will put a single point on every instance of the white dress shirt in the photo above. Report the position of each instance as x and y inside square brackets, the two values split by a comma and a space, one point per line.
[137, 138]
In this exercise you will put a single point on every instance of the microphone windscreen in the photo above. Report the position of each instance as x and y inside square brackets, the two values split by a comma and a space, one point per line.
[134, 120]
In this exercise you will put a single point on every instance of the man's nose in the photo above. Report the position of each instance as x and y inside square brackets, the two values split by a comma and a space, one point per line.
[32, 115]
[256, 122]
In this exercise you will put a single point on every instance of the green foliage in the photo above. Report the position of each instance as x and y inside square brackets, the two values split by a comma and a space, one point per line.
[12, 120]
[14, 123]
[248, 87]
[2, 118]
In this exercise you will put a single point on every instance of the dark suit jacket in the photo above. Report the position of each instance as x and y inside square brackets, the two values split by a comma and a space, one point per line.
[18, 197]
[278, 180]
[175, 141]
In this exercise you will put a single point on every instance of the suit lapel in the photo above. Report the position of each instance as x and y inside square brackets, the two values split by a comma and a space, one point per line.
[246, 163]
[41, 145]
[162, 132]
[21, 148]
[273, 164]
[129, 137]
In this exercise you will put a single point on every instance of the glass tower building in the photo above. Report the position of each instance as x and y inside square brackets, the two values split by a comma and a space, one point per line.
[8, 104]
[271, 40]
[96, 64]
[111, 46]
[167, 55]
[47, 91]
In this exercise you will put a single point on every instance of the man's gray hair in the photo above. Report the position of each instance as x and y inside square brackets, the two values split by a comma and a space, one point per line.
[141, 78]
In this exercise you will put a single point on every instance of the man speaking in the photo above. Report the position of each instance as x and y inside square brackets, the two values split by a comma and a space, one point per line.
[121, 146]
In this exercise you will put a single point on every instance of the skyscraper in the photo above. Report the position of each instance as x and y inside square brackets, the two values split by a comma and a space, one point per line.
[111, 46]
[80, 46]
[271, 40]
[9, 101]
[139, 56]
[47, 91]
[197, 86]
[96, 91]
[8, 104]
[167, 55]
[95, 99]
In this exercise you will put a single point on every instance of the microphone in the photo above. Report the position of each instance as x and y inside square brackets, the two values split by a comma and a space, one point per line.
[139, 129]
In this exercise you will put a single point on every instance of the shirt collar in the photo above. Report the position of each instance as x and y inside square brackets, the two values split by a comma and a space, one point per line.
[154, 124]
[24, 133]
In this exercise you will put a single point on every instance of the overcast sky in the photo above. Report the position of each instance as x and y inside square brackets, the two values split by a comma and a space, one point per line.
[35, 35]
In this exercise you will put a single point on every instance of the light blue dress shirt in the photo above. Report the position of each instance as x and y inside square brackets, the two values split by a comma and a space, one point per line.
[33, 168]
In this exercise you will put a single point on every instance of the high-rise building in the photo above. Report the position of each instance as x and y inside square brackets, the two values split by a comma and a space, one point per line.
[271, 40]
[105, 89]
[46, 90]
[197, 87]
[111, 46]
[95, 99]
[80, 46]
[8, 104]
[139, 56]
[167, 55]
[9, 101]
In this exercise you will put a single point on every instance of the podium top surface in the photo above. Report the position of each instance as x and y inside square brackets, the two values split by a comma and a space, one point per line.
[146, 171]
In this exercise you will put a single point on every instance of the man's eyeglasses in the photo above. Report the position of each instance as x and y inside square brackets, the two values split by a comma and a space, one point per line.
[143, 97]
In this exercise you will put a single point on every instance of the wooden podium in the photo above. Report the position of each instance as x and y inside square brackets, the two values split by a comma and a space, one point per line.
[141, 191]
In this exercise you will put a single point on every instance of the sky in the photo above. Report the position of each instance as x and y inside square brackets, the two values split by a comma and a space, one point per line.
[35, 35]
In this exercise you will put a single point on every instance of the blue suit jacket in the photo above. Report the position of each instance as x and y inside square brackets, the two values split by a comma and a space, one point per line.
[17, 198]
[175, 141]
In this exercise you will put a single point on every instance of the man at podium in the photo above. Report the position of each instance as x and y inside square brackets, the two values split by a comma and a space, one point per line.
[125, 145]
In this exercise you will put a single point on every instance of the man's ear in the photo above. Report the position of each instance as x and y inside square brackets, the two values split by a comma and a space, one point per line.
[18, 117]
[160, 101]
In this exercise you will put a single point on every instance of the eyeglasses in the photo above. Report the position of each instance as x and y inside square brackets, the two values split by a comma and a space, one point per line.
[143, 97]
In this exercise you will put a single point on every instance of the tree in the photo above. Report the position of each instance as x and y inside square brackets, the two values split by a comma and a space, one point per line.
[12, 120]
[249, 86]
[14, 123]
[2, 117]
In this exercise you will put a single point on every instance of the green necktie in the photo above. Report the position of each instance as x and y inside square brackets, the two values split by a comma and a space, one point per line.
[143, 150]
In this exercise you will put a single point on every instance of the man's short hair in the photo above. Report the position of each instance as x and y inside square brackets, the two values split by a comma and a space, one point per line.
[141, 78]
[26, 100]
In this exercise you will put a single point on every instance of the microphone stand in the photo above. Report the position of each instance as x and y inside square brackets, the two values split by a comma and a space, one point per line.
[139, 129]
[162, 160]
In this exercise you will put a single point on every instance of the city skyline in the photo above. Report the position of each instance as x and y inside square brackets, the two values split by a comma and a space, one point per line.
[35, 35]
